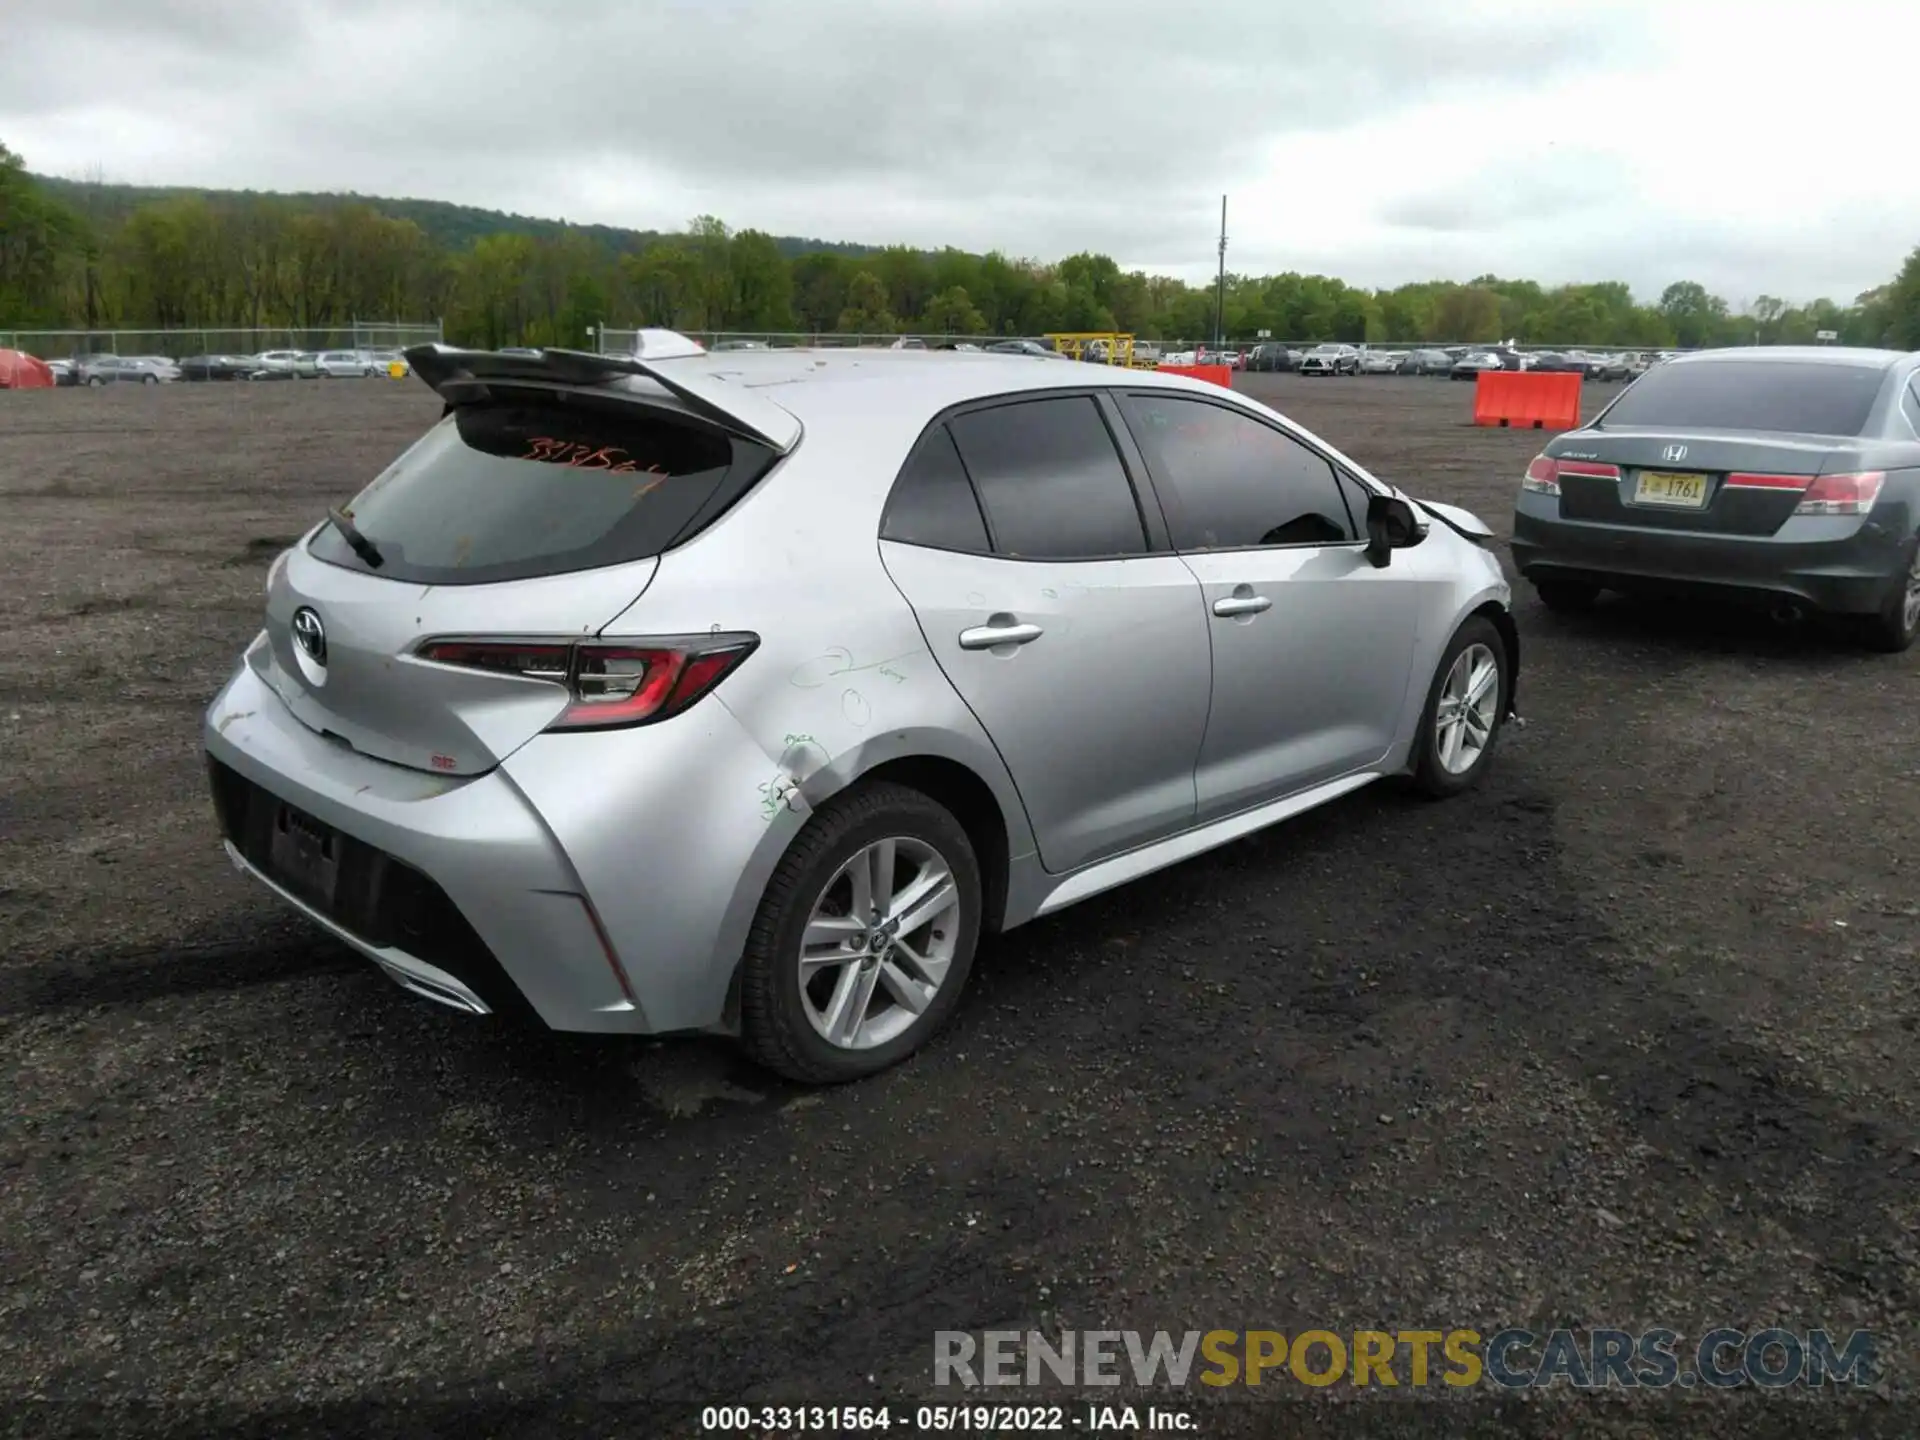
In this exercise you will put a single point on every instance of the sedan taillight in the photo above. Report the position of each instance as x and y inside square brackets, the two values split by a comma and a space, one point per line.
[612, 683]
[1842, 494]
[1544, 474]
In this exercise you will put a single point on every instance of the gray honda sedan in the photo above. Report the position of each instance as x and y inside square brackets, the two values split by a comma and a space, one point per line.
[1785, 476]
[747, 693]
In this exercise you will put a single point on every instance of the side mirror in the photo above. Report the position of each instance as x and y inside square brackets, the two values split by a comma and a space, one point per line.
[1391, 525]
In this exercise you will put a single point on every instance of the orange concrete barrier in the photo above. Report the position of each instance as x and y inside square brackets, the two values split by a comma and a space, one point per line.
[1527, 399]
[1217, 374]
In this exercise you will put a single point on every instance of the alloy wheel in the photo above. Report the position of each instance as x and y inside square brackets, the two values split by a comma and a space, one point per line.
[1467, 709]
[878, 943]
[1910, 614]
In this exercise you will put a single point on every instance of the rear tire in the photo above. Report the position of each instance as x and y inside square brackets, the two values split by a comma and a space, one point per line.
[1893, 630]
[1566, 597]
[1458, 729]
[783, 1016]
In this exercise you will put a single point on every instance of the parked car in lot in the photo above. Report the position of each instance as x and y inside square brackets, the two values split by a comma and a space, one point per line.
[1381, 362]
[1331, 360]
[383, 360]
[750, 694]
[1471, 364]
[221, 367]
[65, 372]
[98, 370]
[302, 364]
[1269, 357]
[1785, 476]
[344, 365]
[1426, 362]
[1552, 362]
[1024, 347]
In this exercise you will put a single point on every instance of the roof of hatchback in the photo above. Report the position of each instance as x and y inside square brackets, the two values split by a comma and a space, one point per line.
[1805, 354]
[925, 380]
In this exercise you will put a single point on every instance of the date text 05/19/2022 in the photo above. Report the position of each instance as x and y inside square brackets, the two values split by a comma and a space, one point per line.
[944, 1419]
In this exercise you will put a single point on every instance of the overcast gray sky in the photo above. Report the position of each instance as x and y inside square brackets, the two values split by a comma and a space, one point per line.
[1759, 148]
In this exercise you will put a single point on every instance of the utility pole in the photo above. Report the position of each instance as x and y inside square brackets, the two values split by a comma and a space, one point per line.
[1220, 285]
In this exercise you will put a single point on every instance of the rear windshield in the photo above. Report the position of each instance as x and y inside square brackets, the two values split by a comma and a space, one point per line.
[1776, 397]
[507, 490]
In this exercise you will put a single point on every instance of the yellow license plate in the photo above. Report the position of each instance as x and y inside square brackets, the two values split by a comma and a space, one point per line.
[1664, 487]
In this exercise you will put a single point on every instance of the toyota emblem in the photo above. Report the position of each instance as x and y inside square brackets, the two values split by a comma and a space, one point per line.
[1674, 452]
[310, 634]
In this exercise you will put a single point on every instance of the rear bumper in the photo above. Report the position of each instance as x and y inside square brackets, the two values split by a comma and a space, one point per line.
[593, 882]
[1839, 564]
[453, 887]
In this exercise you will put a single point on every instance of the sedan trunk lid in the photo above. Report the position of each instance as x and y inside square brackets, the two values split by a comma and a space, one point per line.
[1703, 482]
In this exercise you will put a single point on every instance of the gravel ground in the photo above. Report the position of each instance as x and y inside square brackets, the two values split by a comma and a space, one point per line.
[1626, 1037]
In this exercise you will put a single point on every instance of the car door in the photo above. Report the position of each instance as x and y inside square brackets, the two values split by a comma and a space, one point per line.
[1048, 596]
[1312, 645]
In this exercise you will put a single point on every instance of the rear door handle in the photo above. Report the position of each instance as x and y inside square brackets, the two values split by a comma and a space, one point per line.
[986, 637]
[1242, 605]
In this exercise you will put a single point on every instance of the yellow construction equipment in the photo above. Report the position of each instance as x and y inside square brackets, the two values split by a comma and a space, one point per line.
[1102, 347]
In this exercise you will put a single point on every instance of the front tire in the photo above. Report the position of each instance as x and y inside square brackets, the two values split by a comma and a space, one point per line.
[1893, 630]
[864, 938]
[1466, 706]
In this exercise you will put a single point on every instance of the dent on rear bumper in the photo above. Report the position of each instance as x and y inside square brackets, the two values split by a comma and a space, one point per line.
[478, 838]
[674, 830]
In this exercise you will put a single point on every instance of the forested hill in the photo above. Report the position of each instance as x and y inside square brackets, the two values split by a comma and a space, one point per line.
[448, 226]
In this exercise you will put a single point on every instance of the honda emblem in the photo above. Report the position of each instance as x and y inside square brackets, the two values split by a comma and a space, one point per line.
[1674, 452]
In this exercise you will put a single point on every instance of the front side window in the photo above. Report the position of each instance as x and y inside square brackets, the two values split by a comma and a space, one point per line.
[1236, 483]
[1050, 480]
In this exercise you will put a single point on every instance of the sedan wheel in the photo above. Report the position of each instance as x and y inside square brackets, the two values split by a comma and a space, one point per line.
[1465, 710]
[1896, 627]
[864, 937]
[150, 380]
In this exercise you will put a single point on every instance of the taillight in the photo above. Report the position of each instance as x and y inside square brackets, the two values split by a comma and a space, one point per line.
[1544, 474]
[613, 683]
[1842, 494]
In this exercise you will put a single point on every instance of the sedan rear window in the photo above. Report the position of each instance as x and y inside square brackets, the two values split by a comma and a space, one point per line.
[507, 490]
[1771, 396]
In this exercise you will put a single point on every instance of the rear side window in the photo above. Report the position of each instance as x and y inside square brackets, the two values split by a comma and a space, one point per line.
[1775, 397]
[1050, 481]
[507, 490]
[933, 503]
[1236, 484]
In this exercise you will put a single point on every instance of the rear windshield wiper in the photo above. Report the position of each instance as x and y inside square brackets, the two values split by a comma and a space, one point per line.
[350, 532]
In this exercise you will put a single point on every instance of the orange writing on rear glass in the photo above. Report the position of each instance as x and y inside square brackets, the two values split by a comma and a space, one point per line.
[576, 456]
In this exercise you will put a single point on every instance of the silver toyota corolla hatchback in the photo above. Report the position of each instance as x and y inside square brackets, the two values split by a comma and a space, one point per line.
[745, 693]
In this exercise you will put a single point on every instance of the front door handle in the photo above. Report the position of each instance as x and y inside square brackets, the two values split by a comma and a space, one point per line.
[987, 637]
[1242, 605]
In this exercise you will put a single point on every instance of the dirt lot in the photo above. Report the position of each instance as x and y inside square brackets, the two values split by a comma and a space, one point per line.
[1627, 1037]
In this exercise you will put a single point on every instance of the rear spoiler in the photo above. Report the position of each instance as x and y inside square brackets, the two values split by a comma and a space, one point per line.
[448, 369]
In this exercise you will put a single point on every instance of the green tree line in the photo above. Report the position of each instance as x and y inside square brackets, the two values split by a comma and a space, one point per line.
[188, 259]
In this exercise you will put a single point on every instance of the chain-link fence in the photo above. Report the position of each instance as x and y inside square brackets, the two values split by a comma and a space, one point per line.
[621, 342]
[179, 344]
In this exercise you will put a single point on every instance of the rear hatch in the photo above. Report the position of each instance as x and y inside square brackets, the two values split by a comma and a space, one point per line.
[1729, 446]
[528, 518]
